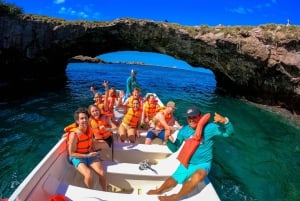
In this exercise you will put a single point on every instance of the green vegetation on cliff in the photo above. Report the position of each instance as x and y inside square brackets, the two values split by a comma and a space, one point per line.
[8, 9]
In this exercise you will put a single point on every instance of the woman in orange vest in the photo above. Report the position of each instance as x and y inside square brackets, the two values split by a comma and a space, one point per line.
[99, 99]
[102, 127]
[99, 102]
[150, 109]
[131, 122]
[135, 95]
[79, 142]
[112, 99]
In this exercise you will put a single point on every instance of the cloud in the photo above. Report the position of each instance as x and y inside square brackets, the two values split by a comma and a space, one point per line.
[245, 10]
[58, 1]
[73, 13]
[241, 10]
[84, 12]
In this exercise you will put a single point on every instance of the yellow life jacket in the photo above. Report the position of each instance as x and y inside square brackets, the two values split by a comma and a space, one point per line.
[100, 106]
[132, 118]
[130, 102]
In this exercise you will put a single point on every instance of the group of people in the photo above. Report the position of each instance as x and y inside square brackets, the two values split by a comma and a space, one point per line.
[93, 127]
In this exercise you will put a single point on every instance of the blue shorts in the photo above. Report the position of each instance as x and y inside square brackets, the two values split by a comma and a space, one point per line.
[86, 161]
[152, 135]
[182, 173]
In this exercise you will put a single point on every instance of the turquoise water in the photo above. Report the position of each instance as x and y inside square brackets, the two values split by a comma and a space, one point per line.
[259, 162]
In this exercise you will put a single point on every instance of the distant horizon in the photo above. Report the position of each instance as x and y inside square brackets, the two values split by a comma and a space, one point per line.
[150, 58]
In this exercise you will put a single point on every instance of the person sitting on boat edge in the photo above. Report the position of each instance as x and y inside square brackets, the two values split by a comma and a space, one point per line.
[79, 147]
[163, 124]
[199, 164]
[131, 122]
[102, 128]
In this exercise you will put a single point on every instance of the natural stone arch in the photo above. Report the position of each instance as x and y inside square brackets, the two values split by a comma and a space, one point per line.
[260, 63]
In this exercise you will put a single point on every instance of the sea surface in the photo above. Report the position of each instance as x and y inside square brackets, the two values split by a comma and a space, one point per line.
[259, 162]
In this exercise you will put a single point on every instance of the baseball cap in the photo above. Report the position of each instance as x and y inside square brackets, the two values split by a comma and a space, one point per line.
[192, 111]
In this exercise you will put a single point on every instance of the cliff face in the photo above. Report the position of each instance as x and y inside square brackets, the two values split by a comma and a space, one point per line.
[260, 63]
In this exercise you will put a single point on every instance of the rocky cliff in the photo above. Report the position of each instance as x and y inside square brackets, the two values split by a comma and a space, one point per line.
[261, 64]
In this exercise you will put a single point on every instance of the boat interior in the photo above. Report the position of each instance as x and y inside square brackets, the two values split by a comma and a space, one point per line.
[129, 174]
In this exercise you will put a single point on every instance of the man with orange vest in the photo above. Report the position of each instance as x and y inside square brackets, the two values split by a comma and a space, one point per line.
[163, 124]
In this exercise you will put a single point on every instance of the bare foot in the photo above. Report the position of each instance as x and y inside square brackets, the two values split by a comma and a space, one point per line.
[153, 192]
[173, 197]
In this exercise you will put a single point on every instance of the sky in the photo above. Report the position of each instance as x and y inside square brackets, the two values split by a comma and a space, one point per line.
[183, 12]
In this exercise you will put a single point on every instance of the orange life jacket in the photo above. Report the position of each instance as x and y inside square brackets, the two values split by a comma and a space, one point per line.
[84, 140]
[100, 133]
[132, 118]
[150, 109]
[111, 102]
[69, 127]
[191, 144]
[100, 106]
[168, 117]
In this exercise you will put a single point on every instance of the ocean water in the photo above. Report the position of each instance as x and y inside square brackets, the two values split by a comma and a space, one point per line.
[259, 162]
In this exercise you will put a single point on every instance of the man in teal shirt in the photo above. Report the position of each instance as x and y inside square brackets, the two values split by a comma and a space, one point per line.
[200, 162]
[131, 84]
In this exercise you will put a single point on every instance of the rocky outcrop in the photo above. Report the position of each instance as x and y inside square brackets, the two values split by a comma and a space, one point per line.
[261, 64]
[81, 58]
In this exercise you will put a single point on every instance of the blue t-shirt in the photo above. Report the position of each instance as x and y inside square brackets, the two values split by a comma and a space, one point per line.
[203, 153]
[131, 84]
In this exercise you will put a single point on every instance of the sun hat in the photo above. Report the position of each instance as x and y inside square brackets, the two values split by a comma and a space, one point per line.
[171, 104]
[193, 111]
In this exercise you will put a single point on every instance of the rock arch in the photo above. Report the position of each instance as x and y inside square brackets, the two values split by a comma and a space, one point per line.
[260, 63]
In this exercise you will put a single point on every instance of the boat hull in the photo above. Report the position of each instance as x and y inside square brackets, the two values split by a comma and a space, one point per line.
[55, 175]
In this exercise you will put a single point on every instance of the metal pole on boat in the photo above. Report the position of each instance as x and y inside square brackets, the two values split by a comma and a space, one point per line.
[114, 134]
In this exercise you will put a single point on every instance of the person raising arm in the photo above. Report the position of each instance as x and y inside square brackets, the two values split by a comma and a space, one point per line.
[199, 164]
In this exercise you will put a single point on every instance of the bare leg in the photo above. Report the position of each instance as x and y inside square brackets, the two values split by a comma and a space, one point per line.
[131, 135]
[131, 138]
[122, 133]
[98, 168]
[169, 183]
[87, 174]
[187, 187]
[122, 138]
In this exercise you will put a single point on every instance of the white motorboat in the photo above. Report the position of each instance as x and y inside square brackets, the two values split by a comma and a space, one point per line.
[131, 170]
[126, 179]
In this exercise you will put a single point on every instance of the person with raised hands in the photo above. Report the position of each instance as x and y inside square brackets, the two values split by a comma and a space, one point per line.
[195, 158]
